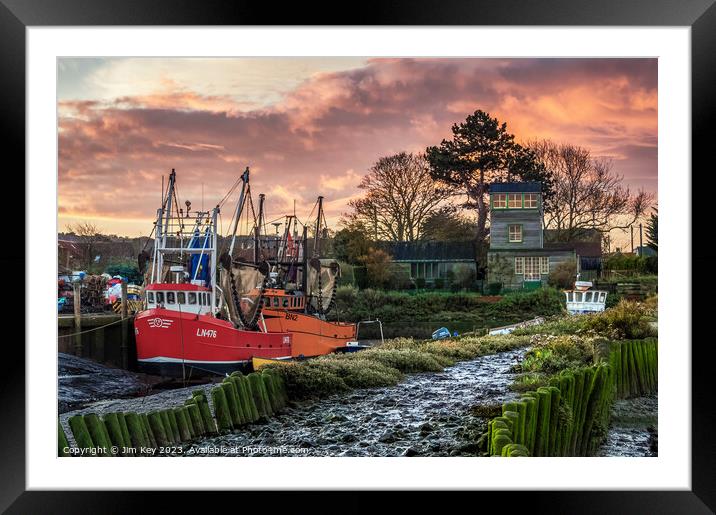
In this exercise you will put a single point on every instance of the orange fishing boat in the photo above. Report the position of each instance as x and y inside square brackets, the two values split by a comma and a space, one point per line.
[300, 291]
[311, 336]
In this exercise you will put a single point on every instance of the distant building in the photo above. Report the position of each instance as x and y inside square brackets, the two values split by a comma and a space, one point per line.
[431, 260]
[518, 256]
[645, 251]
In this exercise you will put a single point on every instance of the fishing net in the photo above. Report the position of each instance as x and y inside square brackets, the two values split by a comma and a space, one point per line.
[321, 284]
[243, 286]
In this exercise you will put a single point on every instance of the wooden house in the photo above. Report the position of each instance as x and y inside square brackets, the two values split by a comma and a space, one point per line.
[518, 257]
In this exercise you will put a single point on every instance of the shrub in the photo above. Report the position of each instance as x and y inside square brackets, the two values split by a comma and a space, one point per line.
[463, 275]
[439, 283]
[420, 283]
[494, 288]
[563, 275]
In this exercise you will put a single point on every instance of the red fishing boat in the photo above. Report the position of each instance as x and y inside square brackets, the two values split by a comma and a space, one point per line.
[192, 326]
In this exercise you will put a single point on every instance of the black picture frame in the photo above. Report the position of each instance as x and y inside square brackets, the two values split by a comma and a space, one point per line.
[700, 15]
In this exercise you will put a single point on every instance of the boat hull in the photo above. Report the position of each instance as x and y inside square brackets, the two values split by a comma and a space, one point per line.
[175, 344]
[310, 336]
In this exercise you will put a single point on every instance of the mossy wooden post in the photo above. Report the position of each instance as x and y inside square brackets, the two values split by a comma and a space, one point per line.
[586, 394]
[244, 409]
[274, 395]
[167, 427]
[136, 434]
[114, 429]
[158, 429]
[81, 433]
[195, 415]
[514, 416]
[591, 413]
[149, 430]
[555, 394]
[578, 389]
[174, 425]
[206, 418]
[231, 402]
[221, 409]
[189, 421]
[499, 442]
[278, 386]
[517, 424]
[124, 428]
[63, 446]
[566, 386]
[530, 421]
[99, 434]
[632, 370]
[626, 379]
[182, 424]
[264, 394]
[258, 395]
[542, 440]
[248, 391]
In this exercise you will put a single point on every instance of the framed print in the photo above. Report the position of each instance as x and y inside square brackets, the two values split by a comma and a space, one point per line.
[388, 252]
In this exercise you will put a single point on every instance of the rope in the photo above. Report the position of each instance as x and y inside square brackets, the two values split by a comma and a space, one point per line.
[95, 328]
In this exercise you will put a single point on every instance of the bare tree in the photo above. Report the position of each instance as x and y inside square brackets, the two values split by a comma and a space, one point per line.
[399, 196]
[587, 194]
[88, 234]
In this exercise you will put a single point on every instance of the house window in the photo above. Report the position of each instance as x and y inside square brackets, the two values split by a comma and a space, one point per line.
[499, 201]
[544, 264]
[514, 200]
[530, 200]
[150, 298]
[519, 265]
[532, 269]
[515, 233]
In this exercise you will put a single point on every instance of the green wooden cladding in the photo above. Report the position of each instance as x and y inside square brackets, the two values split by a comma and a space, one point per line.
[568, 418]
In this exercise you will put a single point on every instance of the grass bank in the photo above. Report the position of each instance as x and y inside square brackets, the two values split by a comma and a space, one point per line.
[387, 364]
[572, 342]
[440, 308]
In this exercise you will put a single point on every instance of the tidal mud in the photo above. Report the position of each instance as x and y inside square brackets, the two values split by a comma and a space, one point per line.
[428, 414]
[633, 430]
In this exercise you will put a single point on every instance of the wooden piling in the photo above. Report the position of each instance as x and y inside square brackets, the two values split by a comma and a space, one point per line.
[77, 299]
[125, 329]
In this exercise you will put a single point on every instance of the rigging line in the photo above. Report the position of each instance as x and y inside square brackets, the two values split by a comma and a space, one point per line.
[94, 328]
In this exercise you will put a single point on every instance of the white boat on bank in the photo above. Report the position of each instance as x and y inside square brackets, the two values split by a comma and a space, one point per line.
[583, 299]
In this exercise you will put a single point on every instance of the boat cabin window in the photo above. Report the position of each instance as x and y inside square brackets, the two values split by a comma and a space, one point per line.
[577, 296]
[602, 296]
[285, 302]
[588, 296]
[160, 297]
[570, 296]
[275, 302]
[150, 297]
[170, 297]
[181, 297]
[192, 297]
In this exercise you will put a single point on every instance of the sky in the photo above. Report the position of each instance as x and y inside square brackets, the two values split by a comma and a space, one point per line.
[314, 126]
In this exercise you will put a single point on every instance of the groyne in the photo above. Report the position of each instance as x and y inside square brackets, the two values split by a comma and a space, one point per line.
[237, 401]
[570, 417]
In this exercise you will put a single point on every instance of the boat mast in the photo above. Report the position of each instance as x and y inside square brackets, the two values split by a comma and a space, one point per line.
[317, 238]
[257, 229]
[239, 208]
